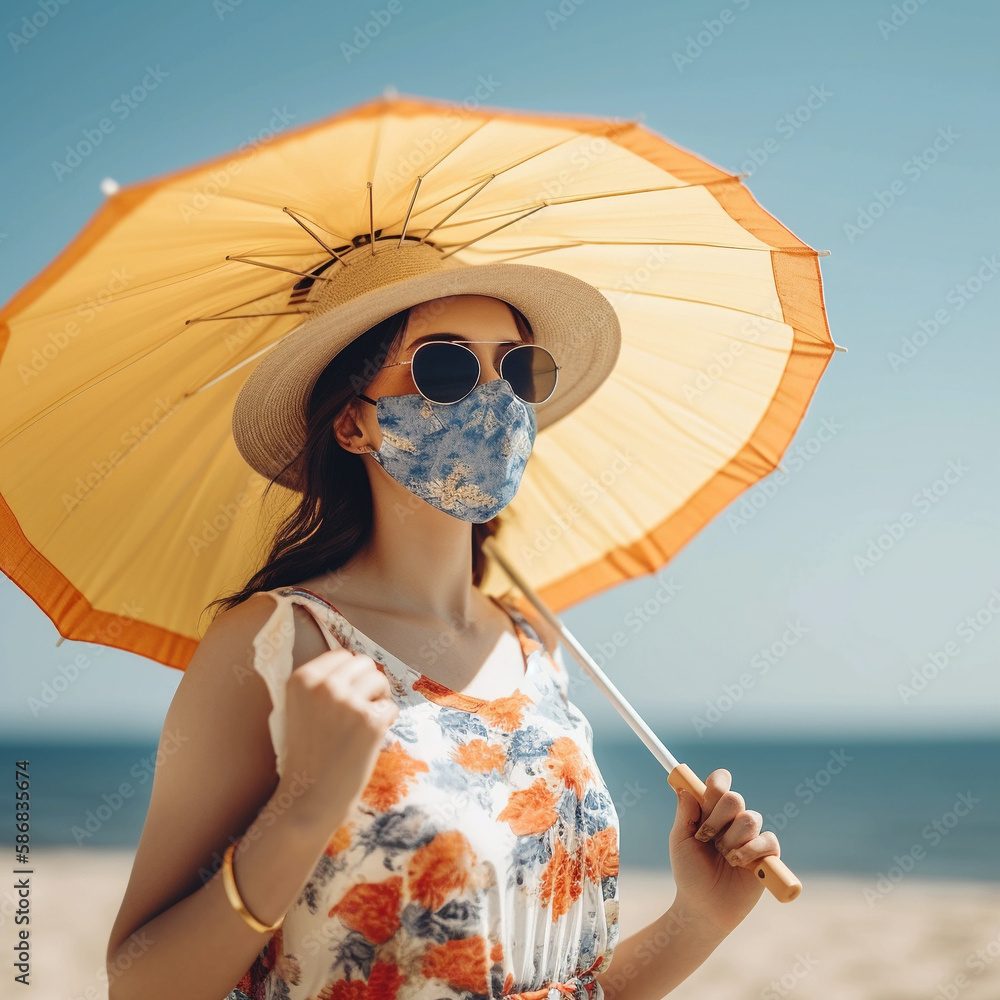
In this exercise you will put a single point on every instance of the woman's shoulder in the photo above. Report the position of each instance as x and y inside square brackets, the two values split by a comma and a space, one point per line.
[238, 623]
[268, 625]
[262, 605]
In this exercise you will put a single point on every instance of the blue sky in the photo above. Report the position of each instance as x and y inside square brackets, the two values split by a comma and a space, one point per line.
[774, 625]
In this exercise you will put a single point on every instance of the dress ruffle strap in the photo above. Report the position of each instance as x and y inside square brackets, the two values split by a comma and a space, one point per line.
[273, 661]
[272, 647]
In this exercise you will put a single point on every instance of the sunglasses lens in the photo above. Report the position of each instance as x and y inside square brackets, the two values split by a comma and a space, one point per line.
[531, 372]
[443, 372]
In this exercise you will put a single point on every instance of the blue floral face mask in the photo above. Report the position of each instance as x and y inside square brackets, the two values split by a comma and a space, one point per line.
[466, 458]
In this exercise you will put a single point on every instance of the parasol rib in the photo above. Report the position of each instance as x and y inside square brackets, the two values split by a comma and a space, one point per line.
[329, 250]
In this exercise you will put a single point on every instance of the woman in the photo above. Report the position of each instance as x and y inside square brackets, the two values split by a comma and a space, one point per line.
[421, 815]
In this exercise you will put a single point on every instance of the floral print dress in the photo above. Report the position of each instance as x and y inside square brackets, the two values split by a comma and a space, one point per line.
[479, 862]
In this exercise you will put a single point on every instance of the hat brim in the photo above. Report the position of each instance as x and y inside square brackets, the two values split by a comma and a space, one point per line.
[568, 316]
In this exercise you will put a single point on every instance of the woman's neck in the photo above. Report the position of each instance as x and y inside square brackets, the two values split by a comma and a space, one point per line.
[417, 563]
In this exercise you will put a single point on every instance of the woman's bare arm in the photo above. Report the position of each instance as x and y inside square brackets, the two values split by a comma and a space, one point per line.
[176, 934]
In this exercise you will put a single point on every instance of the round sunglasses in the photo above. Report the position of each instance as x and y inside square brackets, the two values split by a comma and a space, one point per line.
[446, 371]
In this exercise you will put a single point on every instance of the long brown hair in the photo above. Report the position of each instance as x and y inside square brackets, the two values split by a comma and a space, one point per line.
[333, 519]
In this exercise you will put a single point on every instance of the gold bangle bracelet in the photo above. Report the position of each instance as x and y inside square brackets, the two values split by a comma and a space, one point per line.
[235, 900]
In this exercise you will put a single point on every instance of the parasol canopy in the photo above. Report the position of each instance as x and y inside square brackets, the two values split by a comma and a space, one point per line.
[125, 507]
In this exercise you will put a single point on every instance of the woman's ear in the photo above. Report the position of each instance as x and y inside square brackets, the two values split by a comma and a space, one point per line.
[347, 431]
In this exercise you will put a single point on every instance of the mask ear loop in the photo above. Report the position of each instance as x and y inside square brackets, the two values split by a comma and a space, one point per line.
[427, 403]
[367, 399]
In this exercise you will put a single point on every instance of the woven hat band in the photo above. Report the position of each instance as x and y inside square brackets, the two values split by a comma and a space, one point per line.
[365, 271]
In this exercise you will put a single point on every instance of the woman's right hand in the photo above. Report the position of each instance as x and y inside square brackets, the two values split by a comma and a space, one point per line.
[338, 708]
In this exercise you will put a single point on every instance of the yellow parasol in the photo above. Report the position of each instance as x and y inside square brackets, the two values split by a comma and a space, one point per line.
[125, 507]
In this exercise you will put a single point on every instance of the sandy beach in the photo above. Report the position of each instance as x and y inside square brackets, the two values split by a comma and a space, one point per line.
[917, 941]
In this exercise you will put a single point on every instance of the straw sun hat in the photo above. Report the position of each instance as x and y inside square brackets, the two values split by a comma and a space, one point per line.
[370, 282]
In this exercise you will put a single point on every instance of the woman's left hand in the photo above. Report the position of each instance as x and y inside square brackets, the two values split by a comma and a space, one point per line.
[709, 885]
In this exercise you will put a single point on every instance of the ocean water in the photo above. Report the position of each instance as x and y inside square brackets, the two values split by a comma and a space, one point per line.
[931, 809]
[846, 807]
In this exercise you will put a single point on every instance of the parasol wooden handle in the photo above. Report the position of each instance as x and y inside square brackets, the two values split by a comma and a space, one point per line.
[777, 877]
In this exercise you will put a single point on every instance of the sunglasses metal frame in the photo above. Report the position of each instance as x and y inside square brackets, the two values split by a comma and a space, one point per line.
[461, 343]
